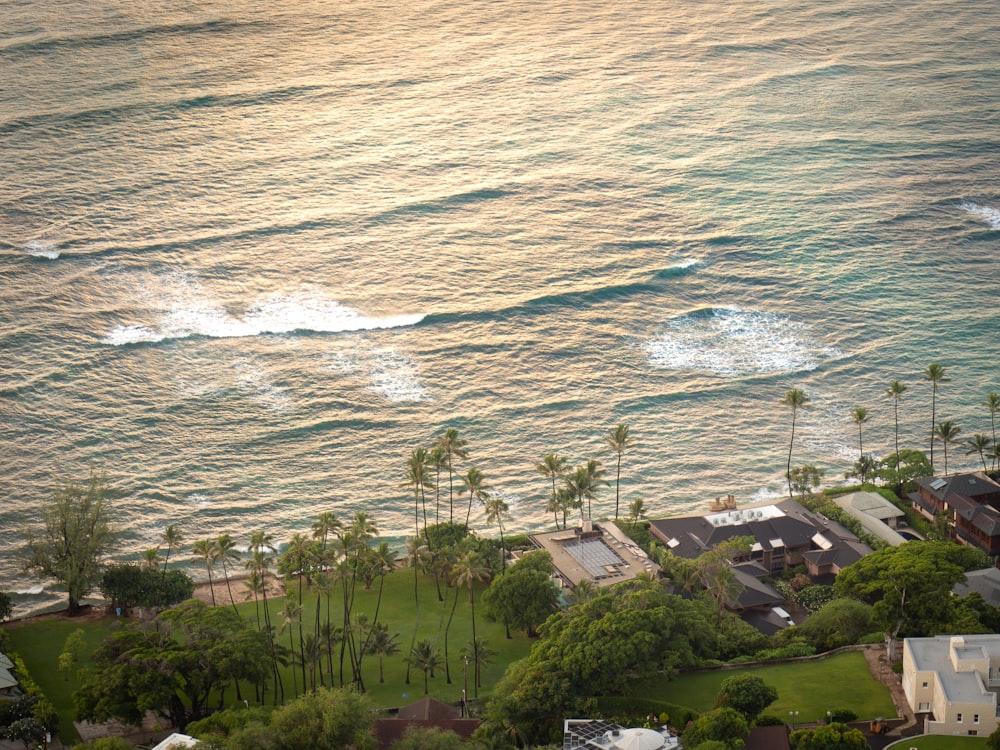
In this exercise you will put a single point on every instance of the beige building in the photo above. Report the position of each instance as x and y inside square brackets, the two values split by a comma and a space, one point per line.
[952, 682]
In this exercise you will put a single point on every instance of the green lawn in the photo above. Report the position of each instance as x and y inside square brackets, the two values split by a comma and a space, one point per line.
[942, 742]
[810, 688]
[41, 643]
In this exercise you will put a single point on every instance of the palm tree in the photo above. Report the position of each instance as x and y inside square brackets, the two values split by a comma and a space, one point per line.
[418, 479]
[584, 591]
[795, 399]
[225, 550]
[583, 482]
[172, 536]
[326, 523]
[993, 404]
[290, 615]
[979, 443]
[496, 508]
[859, 416]
[946, 431]
[469, 570]
[416, 555]
[204, 549]
[260, 562]
[454, 447]
[426, 657]
[636, 510]
[382, 644]
[475, 483]
[553, 467]
[895, 391]
[437, 459]
[618, 439]
[295, 561]
[935, 375]
[565, 501]
[150, 558]
[479, 653]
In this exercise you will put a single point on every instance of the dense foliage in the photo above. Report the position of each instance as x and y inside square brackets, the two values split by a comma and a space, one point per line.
[130, 585]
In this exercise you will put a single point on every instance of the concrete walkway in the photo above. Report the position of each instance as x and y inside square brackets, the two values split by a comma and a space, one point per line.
[881, 670]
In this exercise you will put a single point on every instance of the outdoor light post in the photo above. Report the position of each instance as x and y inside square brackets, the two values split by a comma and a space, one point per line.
[465, 687]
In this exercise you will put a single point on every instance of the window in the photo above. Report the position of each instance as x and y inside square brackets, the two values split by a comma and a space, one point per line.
[974, 732]
[975, 718]
[958, 718]
[923, 685]
[924, 707]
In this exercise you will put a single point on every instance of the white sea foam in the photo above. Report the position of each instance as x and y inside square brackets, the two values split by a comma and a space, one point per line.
[198, 499]
[731, 341]
[987, 214]
[41, 249]
[394, 377]
[192, 312]
[32, 590]
[254, 379]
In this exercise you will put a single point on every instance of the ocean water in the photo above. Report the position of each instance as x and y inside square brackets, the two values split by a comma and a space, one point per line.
[253, 254]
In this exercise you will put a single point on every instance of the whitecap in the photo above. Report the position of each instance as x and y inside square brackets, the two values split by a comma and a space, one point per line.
[987, 214]
[41, 249]
[394, 377]
[732, 342]
[198, 499]
[192, 313]
[123, 335]
[254, 379]
[32, 591]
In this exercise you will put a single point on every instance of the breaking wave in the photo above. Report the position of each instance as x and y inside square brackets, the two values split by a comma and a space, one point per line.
[987, 214]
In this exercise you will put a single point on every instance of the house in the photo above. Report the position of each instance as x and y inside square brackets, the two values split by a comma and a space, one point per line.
[970, 502]
[600, 553]
[176, 741]
[878, 516]
[951, 682]
[784, 534]
[426, 713]
[8, 682]
[985, 582]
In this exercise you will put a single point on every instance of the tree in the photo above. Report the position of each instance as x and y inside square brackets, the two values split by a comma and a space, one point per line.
[805, 479]
[909, 586]
[909, 465]
[993, 404]
[979, 443]
[129, 586]
[173, 667]
[619, 440]
[525, 595]
[328, 719]
[993, 741]
[496, 508]
[895, 391]
[636, 510]
[725, 725]
[418, 479]
[583, 482]
[425, 657]
[947, 431]
[859, 416]
[76, 533]
[935, 375]
[475, 483]
[150, 559]
[746, 693]
[172, 536]
[832, 736]
[205, 550]
[454, 447]
[225, 551]
[470, 570]
[382, 643]
[6, 606]
[795, 400]
[840, 622]
[553, 467]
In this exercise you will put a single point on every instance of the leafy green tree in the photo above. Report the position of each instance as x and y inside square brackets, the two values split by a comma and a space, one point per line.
[795, 400]
[725, 725]
[840, 622]
[105, 743]
[909, 586]
[73, 652]
[934, 374]
[76, 534]
[805, 479]
[328, 719]
[6, 606]
[129, 586]
[173, 667]
[524, 596]
[899, 470]
[619, 440]
[747, 693]
[832, 736]
[946, 431]
[553, 466]
[993, 741]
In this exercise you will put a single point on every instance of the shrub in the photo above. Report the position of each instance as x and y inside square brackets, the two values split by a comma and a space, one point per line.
[843, 715]
[129, 586]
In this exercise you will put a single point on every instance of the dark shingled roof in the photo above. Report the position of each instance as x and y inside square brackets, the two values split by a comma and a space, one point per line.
[768, 738]
[985, 582]
[972, 485]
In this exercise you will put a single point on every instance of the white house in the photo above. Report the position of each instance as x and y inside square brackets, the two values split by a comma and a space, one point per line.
[952, 681]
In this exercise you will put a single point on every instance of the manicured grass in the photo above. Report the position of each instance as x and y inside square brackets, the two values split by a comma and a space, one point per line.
[942, 742]
[810, 688]
[41, 643]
